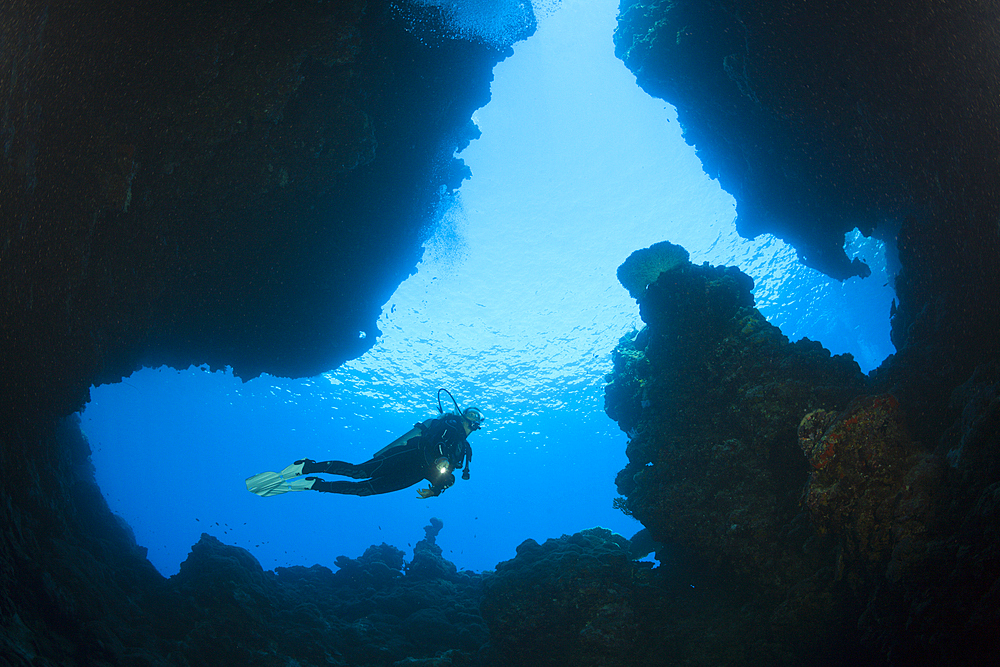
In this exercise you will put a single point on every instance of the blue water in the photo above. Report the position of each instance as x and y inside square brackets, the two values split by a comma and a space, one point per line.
[515, 308]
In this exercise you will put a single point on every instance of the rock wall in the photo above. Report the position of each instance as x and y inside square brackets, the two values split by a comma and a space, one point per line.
[245, 183]
[771, 467]
[820, 117]
[239, 184]
[204, 183]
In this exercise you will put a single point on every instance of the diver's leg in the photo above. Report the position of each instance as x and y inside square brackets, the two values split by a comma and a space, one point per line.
[344, 468]
[400, 467]
[403, 457]
[396, 469]
[368, 487]
[347, 488]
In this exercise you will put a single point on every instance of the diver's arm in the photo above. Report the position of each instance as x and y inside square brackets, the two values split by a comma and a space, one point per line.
[443, 481]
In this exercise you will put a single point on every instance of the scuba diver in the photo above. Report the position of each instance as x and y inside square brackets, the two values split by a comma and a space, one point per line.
[430, 450]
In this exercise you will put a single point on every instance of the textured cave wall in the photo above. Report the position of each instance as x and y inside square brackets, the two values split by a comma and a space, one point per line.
[711, 396]
[820, 117]
[823, 116]
[237, 184]
[832, 518]
[234, 183]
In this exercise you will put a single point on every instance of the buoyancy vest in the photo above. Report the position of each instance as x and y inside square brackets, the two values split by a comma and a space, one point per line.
[445, 436]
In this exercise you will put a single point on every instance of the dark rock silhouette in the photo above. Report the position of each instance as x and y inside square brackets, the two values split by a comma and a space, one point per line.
[820, 117]
[570, 601]
[770, 466]
[367, 612]
[823, 117]
[235, 184]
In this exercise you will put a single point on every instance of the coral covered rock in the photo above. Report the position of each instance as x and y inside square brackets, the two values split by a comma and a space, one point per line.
[871, 484]
[570, 601]
[368, 612]
[240, 184]
[772, 463]
[644, 266]
[711, 396]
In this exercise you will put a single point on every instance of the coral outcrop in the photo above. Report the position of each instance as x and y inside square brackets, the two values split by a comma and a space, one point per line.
[870, 482]
[774, 465]
[711, 396]
[823, 117]
[374, 609]
[573, 600]
[202, 183]
[644, 266]
[820, 117]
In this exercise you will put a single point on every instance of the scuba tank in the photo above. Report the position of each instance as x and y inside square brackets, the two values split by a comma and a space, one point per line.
[412, 433]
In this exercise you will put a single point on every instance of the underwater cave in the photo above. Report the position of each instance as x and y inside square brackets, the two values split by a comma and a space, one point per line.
[237, 236]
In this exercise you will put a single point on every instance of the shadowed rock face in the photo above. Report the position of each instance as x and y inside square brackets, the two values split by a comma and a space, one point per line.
[819, 117]
[576, 600]
[822, 117]
[376, 609]
[770, 469]
[238, 184]
[233, 183]
[711, 396]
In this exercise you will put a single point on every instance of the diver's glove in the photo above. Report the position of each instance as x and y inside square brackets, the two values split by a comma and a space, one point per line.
[426, 493]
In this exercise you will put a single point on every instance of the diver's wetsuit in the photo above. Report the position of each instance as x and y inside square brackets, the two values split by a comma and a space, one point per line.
[405, 464]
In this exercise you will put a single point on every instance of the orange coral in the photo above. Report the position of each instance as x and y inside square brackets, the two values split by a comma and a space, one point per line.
[860, 459]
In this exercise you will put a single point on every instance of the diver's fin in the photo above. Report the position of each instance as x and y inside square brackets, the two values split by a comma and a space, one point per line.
[295, 469]
[273, 484]
[263, 483]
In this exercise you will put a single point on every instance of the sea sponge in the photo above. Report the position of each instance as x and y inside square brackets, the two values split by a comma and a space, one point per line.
[644, 266]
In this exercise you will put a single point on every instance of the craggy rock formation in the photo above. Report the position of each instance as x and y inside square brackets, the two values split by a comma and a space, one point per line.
[710, 390]
[823, 116]
[375, 609]
[233, 183]
[820, 117]
[244, 183]
[580, 600]
[203, 183]
[577, 600]
[711, 396]
[223, 608]
[870, 481]
[770, 465]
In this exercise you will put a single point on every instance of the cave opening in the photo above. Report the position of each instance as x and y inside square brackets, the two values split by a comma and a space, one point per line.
[514, 308]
